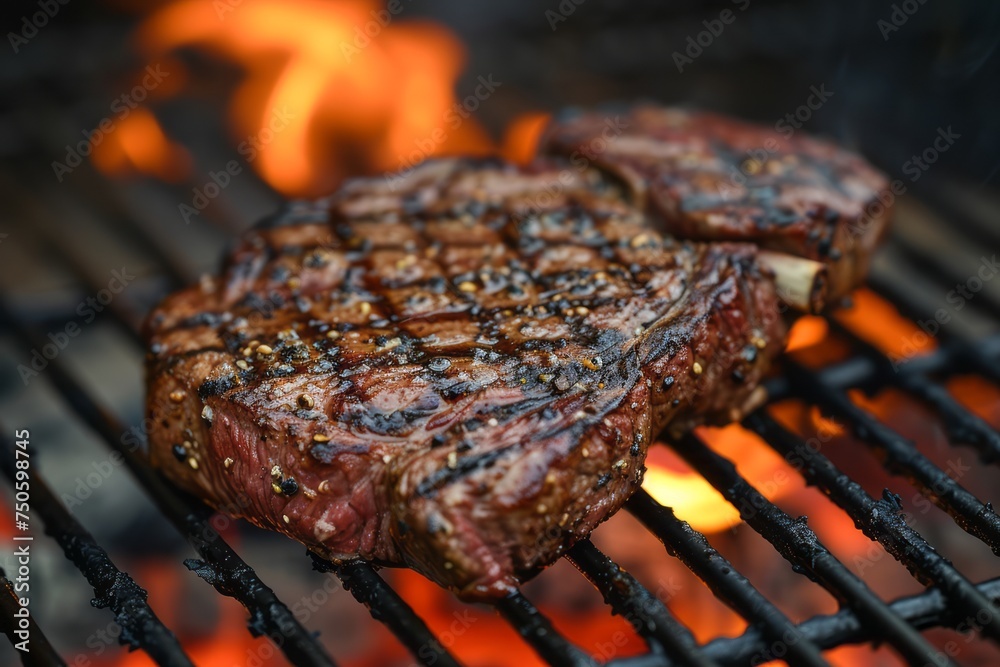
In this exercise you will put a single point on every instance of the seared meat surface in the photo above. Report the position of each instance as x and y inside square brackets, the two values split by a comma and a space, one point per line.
[458, 369]
[707, 177]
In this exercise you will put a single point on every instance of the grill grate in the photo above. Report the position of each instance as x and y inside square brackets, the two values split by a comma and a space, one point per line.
[864, 616]
[114, 589]
[800, 546]
[42, 653]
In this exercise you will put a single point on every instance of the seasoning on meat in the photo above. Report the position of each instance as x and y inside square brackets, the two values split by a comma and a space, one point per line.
[468, 380]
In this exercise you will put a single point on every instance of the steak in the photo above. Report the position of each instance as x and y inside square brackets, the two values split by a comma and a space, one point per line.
[458, 368]
[709, 178]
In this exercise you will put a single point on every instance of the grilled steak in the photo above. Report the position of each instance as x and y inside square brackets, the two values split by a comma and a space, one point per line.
[707, 177]
[457, 369]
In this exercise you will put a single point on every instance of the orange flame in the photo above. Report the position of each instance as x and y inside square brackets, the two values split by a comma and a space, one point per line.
[520, 142]
[327, 83]
[334, 87]
[877, 321]
[806, 332]
[672, 483]
[139, 144]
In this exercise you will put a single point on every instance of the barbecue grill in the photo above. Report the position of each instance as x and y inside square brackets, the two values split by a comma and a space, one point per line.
[951, 598]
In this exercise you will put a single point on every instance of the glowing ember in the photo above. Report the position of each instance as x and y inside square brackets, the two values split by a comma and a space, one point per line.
[326, 83]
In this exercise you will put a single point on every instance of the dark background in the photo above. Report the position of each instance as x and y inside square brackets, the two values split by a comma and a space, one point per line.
[891, 93]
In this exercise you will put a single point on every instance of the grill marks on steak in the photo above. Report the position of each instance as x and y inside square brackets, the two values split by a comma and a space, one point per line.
[460, 370]
[707, 177]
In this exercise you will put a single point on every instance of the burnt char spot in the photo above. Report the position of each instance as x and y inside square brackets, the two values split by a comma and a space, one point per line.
[279, 371]
[824, 246]
[280, 273]
[217, 386]
[437, 285]
[294, 351]
[459, 389]
[463, 467]
[234, 340]
[255, 302]
[326, 452]
[204, 319]
[397, 422]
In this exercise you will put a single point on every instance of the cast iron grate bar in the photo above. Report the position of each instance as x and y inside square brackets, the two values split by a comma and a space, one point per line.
[880, 520]
[387, 607]
[113, 589]
[123, 312]
[801, 547]
[634, 602]
[139, 225]
[40, 653]
[860, 372]
[941, 274]
[222, 567]
[901, 457]
[923, 611]
[538, 631]
[691, 547]
[977, 230]
[863, 371]
[963, 426]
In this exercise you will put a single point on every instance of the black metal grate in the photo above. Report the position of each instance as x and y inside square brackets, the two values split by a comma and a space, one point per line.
[864, 617]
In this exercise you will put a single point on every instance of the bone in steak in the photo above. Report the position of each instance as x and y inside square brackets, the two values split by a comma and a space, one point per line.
[707, 177]
[458, 369]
